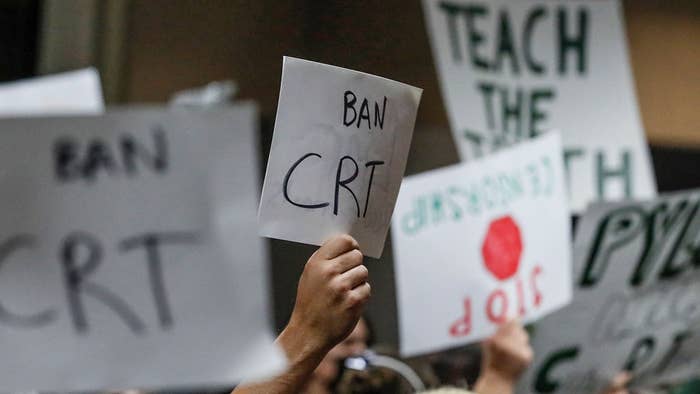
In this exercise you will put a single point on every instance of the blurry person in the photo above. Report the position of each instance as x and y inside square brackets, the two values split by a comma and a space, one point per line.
[506, 355]
[619, 384]
[457, 367]
[331, 297]
[328, 371]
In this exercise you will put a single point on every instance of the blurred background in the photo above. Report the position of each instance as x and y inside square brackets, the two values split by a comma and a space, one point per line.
[146, 50]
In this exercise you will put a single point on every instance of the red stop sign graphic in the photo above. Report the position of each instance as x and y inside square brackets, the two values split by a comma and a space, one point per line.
[502, 248]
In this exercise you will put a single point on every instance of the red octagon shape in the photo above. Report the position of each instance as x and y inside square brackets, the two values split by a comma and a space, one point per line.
[502, 248]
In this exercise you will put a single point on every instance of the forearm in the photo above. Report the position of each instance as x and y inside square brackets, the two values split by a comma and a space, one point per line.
[302, 357]
[492, 383]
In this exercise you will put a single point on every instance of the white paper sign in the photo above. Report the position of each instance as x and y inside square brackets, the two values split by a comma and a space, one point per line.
[128, 255]
[70, 93]
[338, 155]
[510, 70]
[636, 302]
[477, 243]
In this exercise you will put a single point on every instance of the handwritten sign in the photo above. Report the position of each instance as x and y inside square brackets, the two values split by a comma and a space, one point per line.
[477, 243]
[511, 70]
[338, 154]
[75, 92]
[636, 302]
[127, 257]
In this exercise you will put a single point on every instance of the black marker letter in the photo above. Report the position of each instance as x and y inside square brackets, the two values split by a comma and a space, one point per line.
[642, 351]
[75, 276]
[150, 243]
[372, 164]
[543, 382]
[285, 185]
[349, 104]
[157, 160]
[619, 227]
[364, 114]
[576, 43]
[343, 183]
[39, 319]
[379, 120]
[66, 163]
[534, 14]
[97, 156]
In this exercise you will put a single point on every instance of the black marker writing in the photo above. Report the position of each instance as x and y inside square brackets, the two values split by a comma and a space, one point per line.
[351, 114]
[344, 182]
[77, 285]
[73, 161]
[38, 319]
[514, 48]
[151, 243]
[285, 185]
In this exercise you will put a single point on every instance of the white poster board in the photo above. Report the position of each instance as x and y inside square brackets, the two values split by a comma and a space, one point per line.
[478, 243]
[510, 70]
[70, 93]
[636, 300]
[338, 154]
[129, 257]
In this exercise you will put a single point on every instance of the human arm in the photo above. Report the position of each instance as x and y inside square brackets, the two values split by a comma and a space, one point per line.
[331, 296]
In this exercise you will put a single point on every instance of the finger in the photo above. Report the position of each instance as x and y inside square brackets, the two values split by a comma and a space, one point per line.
[511, 316]
[621, 380]
[355, 276]
[514, 328]
[347, 261]
[336, 246]
[521, 335]
[527, 354]
[508, 326]
[360, 294]
[507, 330]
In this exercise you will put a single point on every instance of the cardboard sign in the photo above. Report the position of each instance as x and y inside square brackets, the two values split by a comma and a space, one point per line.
[75, 92]
[511, 70]
[128, 255]
[636, 301]
[338, 155]
[477, 243]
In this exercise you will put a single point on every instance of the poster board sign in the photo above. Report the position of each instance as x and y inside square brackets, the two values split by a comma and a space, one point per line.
[478, 243]
[338, 155]
[128, 256]
[70, 93]
[636, 301]
[510, 70]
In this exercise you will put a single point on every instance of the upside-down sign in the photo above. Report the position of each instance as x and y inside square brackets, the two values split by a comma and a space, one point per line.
[477, 243]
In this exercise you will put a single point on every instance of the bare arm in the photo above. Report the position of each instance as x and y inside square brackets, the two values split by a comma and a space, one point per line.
[303, 360]
[331, 296]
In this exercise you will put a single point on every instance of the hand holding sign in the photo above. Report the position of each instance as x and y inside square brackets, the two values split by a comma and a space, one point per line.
[338, 155]
[332, 292]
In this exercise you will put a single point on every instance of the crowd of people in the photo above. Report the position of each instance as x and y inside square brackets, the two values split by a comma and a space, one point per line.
[327, 326]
